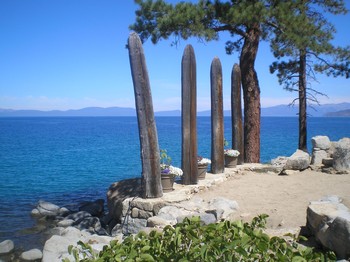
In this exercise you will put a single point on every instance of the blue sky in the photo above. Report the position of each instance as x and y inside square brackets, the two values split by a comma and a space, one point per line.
[70, 54]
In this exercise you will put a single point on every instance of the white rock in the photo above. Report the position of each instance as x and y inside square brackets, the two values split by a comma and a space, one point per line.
[329, 221]
[223, 206]
[321, 142]
[56, 248]
[300, 160]
[47, 208]
[157, 221]
[318, 156]
[341, 155]
[31, 255]
[6, 246]
[65, 223]
[171, 213]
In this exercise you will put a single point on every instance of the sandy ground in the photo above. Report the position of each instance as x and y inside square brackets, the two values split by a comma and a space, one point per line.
[283, 198]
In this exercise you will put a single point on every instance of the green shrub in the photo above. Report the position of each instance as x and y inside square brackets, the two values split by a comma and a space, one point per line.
[191, 241]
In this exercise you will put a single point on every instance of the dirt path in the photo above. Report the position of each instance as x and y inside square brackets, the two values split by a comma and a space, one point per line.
[283, 198]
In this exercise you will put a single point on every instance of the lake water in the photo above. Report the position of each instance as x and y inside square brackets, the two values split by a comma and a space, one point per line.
[70, 160]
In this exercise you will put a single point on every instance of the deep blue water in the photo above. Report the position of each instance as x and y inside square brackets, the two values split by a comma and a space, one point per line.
[69, 160]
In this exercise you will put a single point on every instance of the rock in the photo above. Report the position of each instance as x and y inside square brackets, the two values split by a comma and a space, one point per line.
[171, 213]
[222, 205]
[56, 248]
[6, 246]
[63, 211]
[134, 225]
[327, 162]
[35, 212]
[139, 213]
[65, 223]
[289, 172]
[206, 218]
[87, 223]
[341, 155]
[157, 221]
[321, 142]
[300, 160]
[79, 216]
[31, 255]
[47, 208]
[279, 162]
[120, 191]
[329, 221]
[95, 208]
[317, 156]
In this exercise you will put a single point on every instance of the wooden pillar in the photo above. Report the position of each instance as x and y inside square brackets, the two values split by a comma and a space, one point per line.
[236, 112]
[150, 158]
[217, 118]
[189, 117]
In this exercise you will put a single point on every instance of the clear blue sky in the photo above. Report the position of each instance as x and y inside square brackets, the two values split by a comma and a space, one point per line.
[70, 54]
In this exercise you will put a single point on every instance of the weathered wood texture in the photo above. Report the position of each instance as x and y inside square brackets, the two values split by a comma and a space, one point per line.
[189, 117]
[236, 112]
[217, 118]
[150, 156]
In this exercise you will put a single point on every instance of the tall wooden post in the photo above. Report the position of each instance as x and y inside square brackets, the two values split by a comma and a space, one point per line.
[189, 115]
[150, 158]
[217, 118]
[236, 112]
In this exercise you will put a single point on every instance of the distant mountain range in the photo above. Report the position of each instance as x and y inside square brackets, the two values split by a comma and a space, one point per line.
[341, 110]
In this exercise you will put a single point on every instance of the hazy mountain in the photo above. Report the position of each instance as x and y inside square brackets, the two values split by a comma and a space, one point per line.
[88, 111]
[341, 113]
[316, 110]
[280, 110]
[168, 113]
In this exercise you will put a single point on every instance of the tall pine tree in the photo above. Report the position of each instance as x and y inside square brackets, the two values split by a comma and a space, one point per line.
[248, 22]
[303, 47]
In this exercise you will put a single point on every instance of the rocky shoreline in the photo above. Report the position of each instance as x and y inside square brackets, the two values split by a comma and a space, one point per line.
[128, 213]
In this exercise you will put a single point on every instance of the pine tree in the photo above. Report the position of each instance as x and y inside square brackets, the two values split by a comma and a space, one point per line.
[304, 36]
[248, 22]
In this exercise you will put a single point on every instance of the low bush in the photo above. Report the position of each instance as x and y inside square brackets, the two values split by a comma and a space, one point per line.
[192, 241]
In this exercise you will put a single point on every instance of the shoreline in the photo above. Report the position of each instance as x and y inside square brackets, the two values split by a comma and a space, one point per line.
[257, 189]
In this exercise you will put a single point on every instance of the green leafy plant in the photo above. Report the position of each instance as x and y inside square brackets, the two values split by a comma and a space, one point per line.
[193, 241]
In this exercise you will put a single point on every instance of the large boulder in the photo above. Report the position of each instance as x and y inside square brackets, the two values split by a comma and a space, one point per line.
[46, 209]
[56, 248]
[300, 160]
[321, 142]
[6, 246]
[329, 221]
[341, 155]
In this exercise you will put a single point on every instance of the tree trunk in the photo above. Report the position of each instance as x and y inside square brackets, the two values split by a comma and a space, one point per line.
[189, 115]
[302, 103]
[236, 112]
[150, 158]
[217, 118]
[251, 92]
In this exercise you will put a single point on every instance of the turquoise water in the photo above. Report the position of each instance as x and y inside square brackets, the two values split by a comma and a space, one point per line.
[69, 160]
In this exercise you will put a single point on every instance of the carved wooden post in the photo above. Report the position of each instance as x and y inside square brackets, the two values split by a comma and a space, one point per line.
[151, 181]
[189, 115]
[217, 118]
[236, 112]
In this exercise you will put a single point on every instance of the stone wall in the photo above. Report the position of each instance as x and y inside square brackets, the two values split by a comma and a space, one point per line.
[331, 157]
[130, 213]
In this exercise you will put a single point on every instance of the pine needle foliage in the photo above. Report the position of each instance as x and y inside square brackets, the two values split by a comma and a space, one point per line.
[296, 30]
